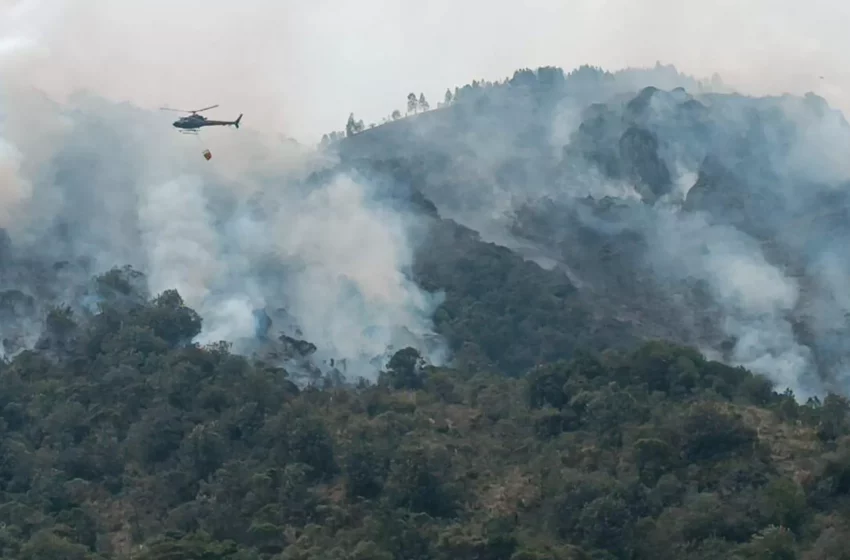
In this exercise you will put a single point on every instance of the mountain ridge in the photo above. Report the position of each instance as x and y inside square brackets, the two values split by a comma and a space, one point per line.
[689, 153]
[510, 336]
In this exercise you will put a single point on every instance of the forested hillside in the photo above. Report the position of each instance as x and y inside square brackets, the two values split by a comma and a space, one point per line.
[512, 327]
[709, 218]
[120, 440]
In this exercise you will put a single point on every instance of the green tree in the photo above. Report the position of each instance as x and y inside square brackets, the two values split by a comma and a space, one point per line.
[352, 127]
[405, 370]
[709, 434]
[653, 458]
[417, 482]
[776, 543]
[171, 320]
[833, 417]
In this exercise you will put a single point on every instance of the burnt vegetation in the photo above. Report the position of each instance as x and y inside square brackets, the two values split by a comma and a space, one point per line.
[564, 429]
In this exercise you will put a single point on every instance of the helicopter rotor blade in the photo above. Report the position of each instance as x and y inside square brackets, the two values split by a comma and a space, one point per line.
[185, 111]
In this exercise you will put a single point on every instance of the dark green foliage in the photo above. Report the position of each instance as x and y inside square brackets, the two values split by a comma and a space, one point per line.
[710, 434]
[415, 482]
[405, 370]
[546, 386]
[171, 320]
[653, 458]
[365, 472]
[834, 420]
[196, 546]
[192, 452]
[495, 299]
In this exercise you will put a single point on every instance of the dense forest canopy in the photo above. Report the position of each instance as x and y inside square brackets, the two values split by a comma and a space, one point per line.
[567, 315]
[122, 439]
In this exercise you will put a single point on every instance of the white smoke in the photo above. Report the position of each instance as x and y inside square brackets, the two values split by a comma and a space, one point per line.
[755, 296]
[121, 191]
[115, 185]
[350, 284]
[14, 188]
[767, 246]
[345, 259]
[181, 245]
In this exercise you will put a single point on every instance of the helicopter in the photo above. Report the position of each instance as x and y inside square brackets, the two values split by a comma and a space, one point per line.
[192, 122]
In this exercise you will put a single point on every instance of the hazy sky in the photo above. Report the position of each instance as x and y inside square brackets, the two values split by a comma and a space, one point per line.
[300, 67]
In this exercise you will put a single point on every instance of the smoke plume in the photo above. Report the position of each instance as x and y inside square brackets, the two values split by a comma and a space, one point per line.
[716, 219]
[328, 260]
[730, 210]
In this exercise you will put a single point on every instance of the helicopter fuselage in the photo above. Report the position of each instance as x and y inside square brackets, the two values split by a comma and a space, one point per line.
[195, 122]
